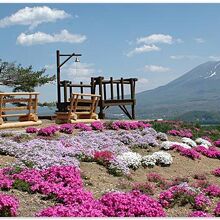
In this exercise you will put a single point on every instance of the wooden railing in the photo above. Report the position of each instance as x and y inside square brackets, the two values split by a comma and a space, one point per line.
[29, 102]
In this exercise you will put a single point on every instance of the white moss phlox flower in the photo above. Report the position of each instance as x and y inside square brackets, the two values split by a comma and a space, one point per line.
[149, 161]
[166, 145]
[203, 142]
[163, 158]
[131, 159]
[189, 141]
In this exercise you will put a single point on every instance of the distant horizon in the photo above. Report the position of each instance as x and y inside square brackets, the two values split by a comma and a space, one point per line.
[157, 44]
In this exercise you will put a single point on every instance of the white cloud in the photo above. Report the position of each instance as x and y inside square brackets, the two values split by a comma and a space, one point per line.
[178, 40]
[43, 38]
[143, 49]
[199, 40]
[156, 38]
[180, 57]
[33, 16]
[215, 58]
[156, 69]
[143, 80]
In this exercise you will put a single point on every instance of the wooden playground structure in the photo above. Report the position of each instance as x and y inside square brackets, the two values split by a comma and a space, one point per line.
[111, 92]
[28, 118]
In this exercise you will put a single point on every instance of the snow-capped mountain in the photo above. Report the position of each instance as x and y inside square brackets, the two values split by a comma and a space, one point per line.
[197, 90]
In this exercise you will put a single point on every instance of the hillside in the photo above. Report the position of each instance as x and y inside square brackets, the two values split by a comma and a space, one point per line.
[196, 90]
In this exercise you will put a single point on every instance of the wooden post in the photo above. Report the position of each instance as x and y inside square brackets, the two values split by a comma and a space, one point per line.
[29, 106]
[81, 89]
[133, 98]
[65, 90]
[104, 88]
[1, 106]
[111, 84]
[118, 91]
[71, 90]
[122, 88]
[92, 86]
[101, 112]
[58, 79]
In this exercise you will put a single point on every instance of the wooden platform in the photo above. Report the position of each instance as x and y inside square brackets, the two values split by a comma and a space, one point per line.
[20, 124]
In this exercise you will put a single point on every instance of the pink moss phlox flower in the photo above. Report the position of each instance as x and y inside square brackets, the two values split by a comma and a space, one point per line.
[131, 204]
[48, 131]
[8, 205]
[97, 125]
[31, 130]
[181, 133]
[154, 177]
[217, 210]
[199, 214]
[217, 143]
[191, 153]
[212, 152]
[105, 156]
[5, 181]
[212, 190]
[82, 126]
[67, 128]
[202, 202]
[216, 172]
[129, 125]
[88, 209]
[168, 197]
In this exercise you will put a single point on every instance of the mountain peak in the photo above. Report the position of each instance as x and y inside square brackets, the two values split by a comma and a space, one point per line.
[197, 89]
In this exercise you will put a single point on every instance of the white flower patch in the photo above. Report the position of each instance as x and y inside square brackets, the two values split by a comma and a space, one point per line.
[159, 157]
[166, 145]
[189, 141]
[149, 161]
[131, 159]
[203, 142]
[163, 158]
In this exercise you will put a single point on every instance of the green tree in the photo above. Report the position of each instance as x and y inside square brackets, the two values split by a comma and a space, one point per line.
[22, 78]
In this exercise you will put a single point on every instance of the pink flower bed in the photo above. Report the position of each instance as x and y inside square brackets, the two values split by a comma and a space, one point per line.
[217, 143]
[129, 125]
[31, 130]
[181, 194]
[216, 172]
[97, 125]
[199, 214]
[5, 181]
[212, 190]
[132, 204]
[92, 209]
[8, 206]
[217, 210]
[103, 157]
[202, 202]
[67, 128]
[212, 152]
[48, 131]
[181, 133]
[193, 154]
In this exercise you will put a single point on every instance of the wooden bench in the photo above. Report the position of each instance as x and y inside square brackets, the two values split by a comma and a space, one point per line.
[80, 109]
[29, 104]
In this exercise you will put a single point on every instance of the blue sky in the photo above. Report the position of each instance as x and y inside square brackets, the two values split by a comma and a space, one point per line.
[154, 42]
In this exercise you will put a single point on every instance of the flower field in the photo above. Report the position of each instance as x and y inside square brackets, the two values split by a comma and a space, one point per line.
[110, 169]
